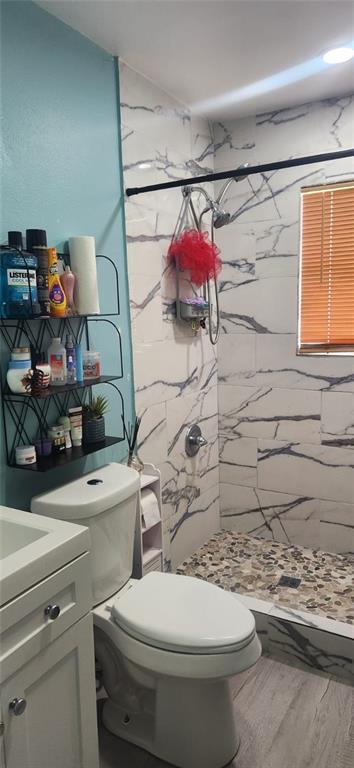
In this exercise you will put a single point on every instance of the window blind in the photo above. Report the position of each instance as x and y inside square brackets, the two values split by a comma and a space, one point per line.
[326, 291]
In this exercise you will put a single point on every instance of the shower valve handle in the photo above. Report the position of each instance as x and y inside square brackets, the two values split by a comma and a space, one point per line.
[194, 440]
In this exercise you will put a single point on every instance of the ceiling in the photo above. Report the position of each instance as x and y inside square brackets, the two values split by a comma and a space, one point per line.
[224, 58]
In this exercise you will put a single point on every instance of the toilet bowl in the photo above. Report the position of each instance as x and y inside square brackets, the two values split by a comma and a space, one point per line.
[179, 640]
[167, 645]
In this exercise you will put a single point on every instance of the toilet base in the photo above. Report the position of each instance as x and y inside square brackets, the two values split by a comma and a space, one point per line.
[192, 725]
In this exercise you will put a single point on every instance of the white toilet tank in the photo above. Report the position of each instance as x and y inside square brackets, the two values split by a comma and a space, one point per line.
[106, 502]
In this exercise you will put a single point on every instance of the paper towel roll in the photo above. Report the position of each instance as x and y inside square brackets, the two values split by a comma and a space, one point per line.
[83, 263]
[150, 511]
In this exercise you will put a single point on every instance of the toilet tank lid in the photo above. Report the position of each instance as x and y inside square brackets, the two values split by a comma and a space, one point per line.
[90, 494]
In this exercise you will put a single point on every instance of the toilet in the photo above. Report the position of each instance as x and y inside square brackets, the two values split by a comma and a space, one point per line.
[167, 644]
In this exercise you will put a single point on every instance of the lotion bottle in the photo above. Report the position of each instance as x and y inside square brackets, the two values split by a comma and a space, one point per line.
[68, 281]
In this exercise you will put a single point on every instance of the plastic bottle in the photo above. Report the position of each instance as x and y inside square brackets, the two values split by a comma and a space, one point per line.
[70, 360]
[18, 284]
[57, 296]
[79, 363]
[41, 252]
[57, 362]
[68, 281]
[64, 421]
[36, 242]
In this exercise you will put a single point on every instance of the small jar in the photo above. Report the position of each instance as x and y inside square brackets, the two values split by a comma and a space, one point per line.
[91, 364]
[44, 446]
[17, 370]
[25, 454]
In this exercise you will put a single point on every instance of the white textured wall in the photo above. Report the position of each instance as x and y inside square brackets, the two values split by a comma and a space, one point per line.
[175, 372]
[286, 423]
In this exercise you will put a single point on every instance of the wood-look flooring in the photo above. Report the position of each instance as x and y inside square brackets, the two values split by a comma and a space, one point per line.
[287, 718]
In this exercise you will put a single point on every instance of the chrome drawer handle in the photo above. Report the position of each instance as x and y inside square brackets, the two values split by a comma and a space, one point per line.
[52, 611]
[18, 706]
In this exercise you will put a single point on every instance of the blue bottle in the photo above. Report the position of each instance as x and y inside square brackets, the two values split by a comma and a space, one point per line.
[18, 280]
[79, 363]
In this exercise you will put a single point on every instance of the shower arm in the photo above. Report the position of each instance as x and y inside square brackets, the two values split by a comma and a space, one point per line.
[212, 205]
[225, 188]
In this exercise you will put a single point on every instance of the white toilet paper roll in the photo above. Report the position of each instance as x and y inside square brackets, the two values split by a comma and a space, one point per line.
[149, 508]
[83, 263]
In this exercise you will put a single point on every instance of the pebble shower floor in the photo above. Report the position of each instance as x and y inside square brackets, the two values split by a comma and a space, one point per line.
[253, 566]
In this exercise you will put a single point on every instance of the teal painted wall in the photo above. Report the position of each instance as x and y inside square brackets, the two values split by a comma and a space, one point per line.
[61, 171]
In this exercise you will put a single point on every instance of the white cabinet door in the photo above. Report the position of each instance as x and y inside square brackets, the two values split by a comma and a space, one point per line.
[58, 726]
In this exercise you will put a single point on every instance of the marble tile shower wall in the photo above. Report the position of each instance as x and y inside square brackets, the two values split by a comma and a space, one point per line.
[175, 372]
[286, 423]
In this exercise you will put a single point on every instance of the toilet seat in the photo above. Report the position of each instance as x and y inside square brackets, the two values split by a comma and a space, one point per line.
[183, 614]
[161, 662]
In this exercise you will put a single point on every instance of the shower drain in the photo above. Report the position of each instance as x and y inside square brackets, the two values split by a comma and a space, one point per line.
[289, 581]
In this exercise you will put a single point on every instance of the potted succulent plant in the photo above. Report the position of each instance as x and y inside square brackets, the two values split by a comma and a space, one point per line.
[93, 420]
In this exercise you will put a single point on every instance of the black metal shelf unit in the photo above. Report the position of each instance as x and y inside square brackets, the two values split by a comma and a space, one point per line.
[26, 417]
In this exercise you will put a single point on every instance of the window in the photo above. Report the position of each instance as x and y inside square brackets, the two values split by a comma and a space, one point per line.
[326, 291]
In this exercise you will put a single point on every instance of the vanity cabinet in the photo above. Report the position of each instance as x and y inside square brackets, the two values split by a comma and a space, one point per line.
[57, 727]
[47, 697]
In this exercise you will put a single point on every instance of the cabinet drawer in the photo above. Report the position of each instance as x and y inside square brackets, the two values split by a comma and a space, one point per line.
[26, 629]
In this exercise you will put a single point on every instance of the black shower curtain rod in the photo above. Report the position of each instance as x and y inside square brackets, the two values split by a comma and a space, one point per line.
[245, 171]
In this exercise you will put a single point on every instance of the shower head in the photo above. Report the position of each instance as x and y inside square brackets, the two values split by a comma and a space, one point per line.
[220, 217]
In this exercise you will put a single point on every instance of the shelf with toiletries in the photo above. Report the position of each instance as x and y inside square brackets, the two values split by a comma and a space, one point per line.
[47, 322]
[41, 282]
[45, 463]
[61, 390]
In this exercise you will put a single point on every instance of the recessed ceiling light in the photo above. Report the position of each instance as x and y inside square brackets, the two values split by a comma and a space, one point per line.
[338, 55]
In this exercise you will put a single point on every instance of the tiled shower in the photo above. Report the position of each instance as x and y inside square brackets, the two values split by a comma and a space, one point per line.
[286, 422]
[279, 464]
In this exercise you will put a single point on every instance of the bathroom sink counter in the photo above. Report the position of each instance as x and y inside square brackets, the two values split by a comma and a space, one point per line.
[32, 547]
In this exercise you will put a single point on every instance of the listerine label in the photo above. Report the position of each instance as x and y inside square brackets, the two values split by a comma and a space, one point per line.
[20, 278]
